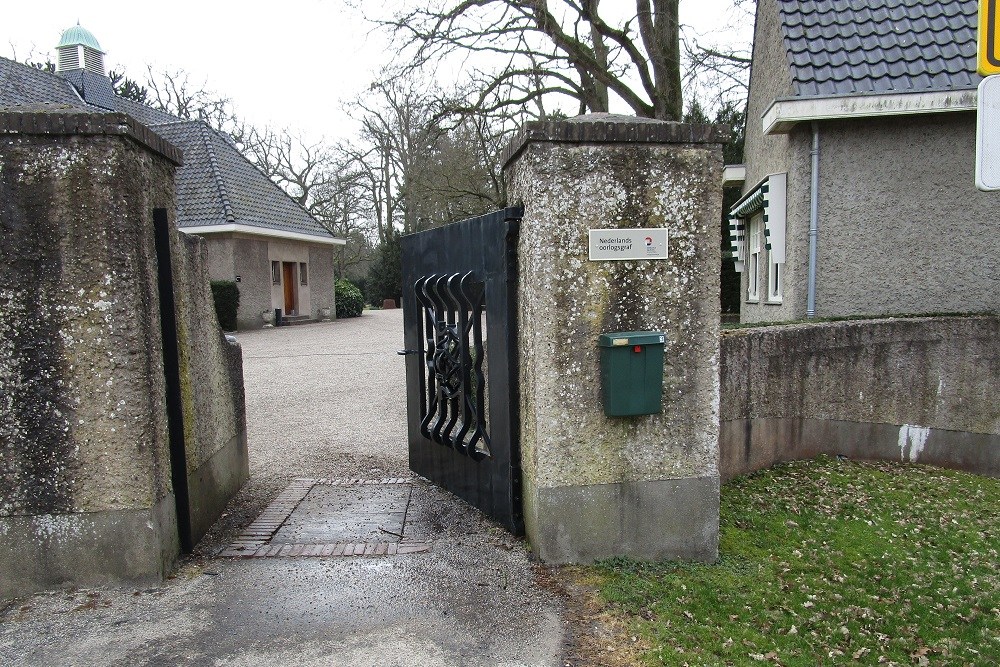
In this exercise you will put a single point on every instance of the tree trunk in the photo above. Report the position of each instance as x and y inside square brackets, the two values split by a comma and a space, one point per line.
[596, 90]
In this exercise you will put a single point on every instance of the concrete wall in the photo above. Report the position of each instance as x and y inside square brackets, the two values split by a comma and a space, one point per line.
[922, 390]
[596, 486]
[85, 493]
[215, 438]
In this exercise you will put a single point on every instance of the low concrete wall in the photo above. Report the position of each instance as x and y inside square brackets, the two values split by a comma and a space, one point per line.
[923, 390]
[215, 434]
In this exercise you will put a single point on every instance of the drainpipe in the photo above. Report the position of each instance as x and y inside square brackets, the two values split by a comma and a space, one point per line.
[813, 222]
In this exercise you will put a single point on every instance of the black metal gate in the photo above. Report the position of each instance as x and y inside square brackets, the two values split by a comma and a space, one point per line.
[459, 319]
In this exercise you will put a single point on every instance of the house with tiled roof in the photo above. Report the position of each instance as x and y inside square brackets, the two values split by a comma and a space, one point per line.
[859, 193]
[256, 235]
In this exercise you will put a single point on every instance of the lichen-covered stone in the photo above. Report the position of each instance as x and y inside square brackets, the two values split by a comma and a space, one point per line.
[81, 424]
[566, 301]
[86, 494]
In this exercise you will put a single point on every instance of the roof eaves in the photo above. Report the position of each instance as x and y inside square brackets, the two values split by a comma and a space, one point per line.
[255, 230]
[785, 113]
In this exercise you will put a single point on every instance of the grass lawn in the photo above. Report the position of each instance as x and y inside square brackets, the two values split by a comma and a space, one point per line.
[829, 562]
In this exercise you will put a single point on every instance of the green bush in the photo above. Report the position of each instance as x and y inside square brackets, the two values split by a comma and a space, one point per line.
[350, 301]
[227, 301]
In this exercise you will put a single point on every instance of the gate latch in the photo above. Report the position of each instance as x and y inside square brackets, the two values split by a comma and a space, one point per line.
[403, 353]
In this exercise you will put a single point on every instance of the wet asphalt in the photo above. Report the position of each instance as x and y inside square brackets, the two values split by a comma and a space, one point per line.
[323, 400]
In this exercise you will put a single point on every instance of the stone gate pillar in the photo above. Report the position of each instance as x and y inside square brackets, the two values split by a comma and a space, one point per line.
[596, 486]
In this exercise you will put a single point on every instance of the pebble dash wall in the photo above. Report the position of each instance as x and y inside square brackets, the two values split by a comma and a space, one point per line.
[597, 486]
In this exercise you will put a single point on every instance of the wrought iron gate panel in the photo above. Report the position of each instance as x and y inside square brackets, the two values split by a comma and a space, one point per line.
[461, 374]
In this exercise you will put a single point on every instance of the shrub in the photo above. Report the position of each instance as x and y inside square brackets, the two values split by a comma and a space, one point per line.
[350, 301]
[227, 301]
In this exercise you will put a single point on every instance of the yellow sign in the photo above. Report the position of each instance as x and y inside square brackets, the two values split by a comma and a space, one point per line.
[988, 61]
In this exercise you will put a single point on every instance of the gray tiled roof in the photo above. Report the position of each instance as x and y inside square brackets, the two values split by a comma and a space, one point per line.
[144, 114]
[21, 84]
[94, 88]
[218, 186]
[845, 47]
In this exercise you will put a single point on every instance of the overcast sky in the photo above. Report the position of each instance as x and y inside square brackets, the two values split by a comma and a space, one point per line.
[291, 67]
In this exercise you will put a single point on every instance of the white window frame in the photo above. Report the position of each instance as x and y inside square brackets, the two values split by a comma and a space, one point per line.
[775, 278]
[754, 237]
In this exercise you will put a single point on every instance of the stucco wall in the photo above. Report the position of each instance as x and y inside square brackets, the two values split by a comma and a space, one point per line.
[769, 79]
[902, 227]
[252, 265]
[220, 256]
[249, 257]
[321, 279]
[85, 491]
[922, 389]
[771, 154]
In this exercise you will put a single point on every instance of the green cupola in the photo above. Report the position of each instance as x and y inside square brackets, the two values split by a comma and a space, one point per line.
[79, 49]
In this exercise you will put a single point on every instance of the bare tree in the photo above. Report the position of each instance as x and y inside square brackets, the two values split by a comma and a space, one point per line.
[572, 48]
[175, 93]
[324, 179]
[716, 64]
[301, 167]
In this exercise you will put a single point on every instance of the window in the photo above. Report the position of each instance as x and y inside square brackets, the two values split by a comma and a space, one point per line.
[775, 273]
[753, 260]
[303, 274]
[275, 273]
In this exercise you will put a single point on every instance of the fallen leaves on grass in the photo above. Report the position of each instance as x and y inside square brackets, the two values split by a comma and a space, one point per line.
[830, 561]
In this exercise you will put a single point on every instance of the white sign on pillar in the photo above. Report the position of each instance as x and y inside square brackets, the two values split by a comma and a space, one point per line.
[617, 244]
[988, 135]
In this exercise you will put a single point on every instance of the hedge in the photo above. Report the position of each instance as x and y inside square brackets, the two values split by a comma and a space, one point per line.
[350, 301]
[227, 301]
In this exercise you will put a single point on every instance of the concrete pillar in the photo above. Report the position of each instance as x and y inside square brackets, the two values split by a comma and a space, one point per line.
[595, 486]
[85, 492]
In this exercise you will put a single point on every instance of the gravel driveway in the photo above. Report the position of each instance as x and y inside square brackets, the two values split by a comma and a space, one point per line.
[323, 400]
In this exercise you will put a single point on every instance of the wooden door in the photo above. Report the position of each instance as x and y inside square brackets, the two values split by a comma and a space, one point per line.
[288, 269]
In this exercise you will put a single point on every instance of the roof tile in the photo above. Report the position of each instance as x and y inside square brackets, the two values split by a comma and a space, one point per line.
[840, 47]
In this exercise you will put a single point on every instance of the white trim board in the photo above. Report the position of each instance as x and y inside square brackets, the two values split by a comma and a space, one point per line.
[784, 114]
[262, 231]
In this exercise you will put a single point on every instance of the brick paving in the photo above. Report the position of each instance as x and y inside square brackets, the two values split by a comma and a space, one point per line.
[255, 541]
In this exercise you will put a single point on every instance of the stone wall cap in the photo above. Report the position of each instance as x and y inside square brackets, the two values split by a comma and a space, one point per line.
[604, 128]
[59, 119]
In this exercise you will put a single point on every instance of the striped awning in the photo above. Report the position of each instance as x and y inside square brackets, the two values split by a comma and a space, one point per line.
[768, 197]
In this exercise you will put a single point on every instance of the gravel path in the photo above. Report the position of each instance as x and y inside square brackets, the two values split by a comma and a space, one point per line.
[323, 400]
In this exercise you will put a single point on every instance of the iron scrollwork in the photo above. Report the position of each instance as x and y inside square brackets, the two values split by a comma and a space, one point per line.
[454, 412]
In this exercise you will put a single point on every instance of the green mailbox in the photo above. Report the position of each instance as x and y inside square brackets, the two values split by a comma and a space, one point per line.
[631, 372]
